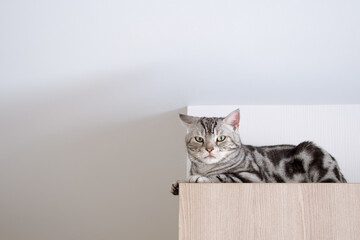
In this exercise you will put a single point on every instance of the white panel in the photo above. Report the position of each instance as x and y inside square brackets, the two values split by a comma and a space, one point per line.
[336, 128]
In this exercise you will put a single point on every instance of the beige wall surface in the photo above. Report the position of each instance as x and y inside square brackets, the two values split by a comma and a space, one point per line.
[66, 173]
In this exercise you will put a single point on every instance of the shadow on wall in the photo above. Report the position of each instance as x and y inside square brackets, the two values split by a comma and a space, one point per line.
[103, 182]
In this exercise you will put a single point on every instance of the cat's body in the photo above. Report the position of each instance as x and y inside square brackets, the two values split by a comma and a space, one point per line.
[217, 155]
[282, 163]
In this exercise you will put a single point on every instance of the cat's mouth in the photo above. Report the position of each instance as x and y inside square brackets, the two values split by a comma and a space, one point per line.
[210, 159]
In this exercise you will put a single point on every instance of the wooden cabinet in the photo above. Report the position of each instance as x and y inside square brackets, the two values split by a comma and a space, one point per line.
[286, 211]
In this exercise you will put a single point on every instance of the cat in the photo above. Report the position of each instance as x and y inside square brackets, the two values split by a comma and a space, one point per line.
[217, 155]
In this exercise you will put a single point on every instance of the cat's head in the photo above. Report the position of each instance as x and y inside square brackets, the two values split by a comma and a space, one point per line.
[211, 140]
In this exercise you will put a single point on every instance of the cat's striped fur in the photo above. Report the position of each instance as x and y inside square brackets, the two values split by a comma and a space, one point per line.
[229, 160]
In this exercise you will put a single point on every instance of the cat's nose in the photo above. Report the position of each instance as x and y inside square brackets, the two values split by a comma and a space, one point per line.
[209, 149]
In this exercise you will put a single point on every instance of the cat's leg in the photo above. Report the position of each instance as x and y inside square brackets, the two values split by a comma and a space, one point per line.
[321, 166]
[224, 178]
[333, 175]
[218, 178]
[199, 179]
[192, 179]
[175, 187]
[239, 177]
[243, 177]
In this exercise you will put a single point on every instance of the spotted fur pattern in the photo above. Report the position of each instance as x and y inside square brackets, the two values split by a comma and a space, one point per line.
[230, 161]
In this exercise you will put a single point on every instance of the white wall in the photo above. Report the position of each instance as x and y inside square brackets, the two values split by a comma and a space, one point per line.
[336, 128]
[194, 52]
[90, 91]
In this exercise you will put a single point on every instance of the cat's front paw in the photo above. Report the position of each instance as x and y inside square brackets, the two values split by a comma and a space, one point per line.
[175, 188]
[199, 179]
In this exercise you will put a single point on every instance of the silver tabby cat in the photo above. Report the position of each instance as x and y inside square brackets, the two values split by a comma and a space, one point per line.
[217, 155]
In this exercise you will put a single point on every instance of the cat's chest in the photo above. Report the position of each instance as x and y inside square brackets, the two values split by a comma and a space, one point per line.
[203, 170]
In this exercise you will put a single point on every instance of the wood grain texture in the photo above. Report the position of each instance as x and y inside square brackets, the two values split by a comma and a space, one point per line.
[269, 211]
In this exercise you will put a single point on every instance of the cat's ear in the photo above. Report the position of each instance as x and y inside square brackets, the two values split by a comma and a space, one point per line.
[188, 120]
[233, 119]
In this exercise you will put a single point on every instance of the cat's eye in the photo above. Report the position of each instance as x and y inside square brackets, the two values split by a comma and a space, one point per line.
[199, 139]
[220, 138]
